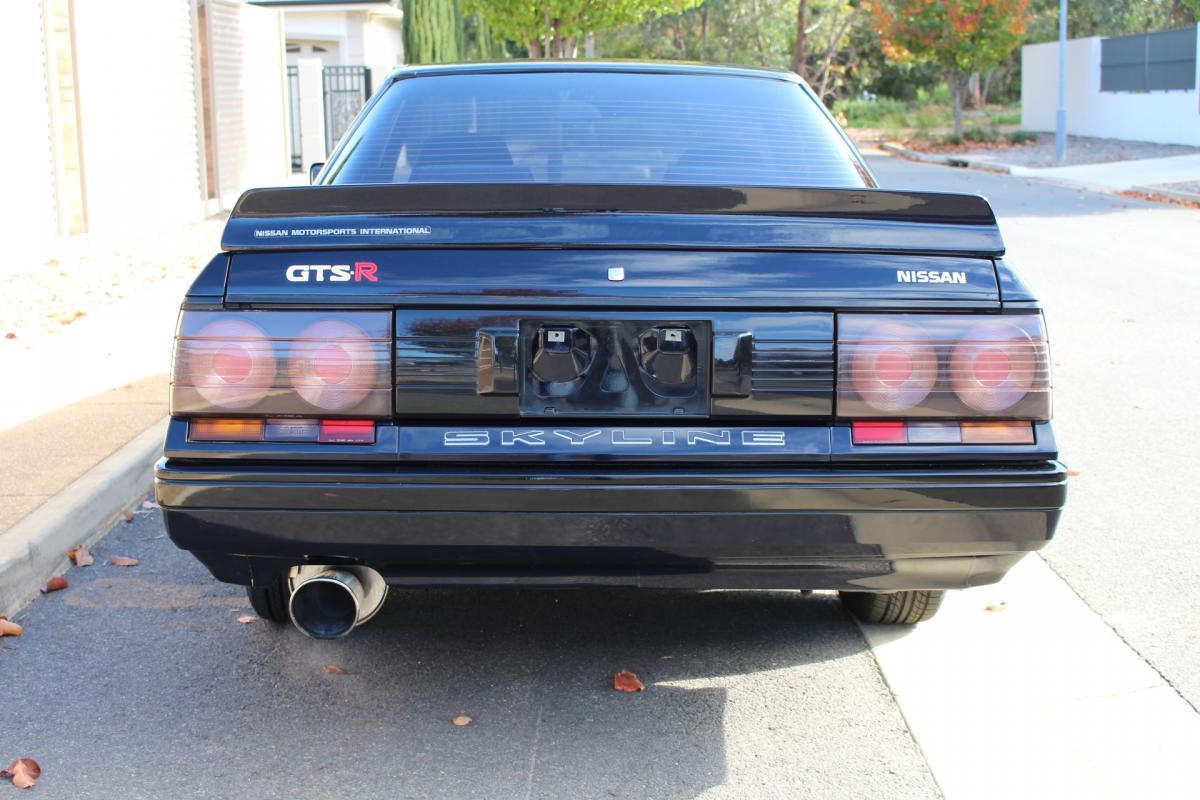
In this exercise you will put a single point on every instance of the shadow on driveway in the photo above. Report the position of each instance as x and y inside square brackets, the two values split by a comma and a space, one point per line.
[137, 679]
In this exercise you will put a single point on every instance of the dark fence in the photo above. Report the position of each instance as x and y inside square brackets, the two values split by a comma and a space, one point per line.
[346, 89]
[293, 98]
[1149, 62]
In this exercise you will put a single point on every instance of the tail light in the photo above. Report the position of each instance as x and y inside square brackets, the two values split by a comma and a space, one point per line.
[951, 365]
[282, 364]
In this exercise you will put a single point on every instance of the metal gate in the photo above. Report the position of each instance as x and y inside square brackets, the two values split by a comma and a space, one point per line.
[346, 90]
[293, 91]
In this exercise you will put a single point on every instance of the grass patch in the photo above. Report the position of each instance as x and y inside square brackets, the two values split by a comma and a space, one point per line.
[1009, 116]
[1022, 137]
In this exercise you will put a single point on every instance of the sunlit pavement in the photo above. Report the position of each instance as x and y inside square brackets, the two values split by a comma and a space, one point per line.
[141, 682]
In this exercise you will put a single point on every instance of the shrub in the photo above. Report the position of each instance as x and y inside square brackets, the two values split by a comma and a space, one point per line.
[1022, 137]
[863, 113]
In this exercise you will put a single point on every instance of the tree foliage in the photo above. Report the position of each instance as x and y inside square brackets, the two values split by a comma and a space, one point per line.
[961, 37]
[553, 27]
[433, 31]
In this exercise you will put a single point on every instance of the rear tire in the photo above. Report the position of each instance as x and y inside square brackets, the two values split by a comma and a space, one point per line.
[271, 602]
[895, 608]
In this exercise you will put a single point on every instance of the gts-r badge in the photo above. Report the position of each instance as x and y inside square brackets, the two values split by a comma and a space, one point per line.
[333, 273]
[618, 437]
[929, 276]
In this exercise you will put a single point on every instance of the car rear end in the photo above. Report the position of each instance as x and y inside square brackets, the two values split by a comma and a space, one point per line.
[456, 364]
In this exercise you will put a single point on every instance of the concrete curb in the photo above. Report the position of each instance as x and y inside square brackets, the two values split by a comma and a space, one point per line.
[945, 159]
[1032, 173]
[1174, 194]
[35, 548]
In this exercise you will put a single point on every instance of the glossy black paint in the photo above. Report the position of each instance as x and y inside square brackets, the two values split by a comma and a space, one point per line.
[575, 278]
[400, 446]
[524, 199]
[809, 528]
[654, 231]
[463, 364]
[473, 273]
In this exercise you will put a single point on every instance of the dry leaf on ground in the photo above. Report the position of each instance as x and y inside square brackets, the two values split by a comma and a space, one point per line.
[128, 514]
[24, 772]
[8, 628]
[80, 556]
[334, 669]
[246, 618]
[626, 681]
[54, 584]
[1073, 473]
[461, 720]
[124, 561]
[1003, 604]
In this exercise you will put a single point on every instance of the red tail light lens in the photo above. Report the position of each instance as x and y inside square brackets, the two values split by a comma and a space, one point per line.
[943, 365]
[995, 367]
[333, 365]
[894, 367]
[230, 364]
[283, 363]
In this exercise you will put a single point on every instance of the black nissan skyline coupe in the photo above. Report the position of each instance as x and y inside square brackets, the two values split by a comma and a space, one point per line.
[623, 324]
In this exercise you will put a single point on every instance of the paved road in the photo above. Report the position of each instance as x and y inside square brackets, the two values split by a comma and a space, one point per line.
[141, 683]
[1120, 281]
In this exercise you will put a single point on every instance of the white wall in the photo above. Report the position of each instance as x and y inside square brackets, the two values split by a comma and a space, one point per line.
[138, 113]
[1165, 117]
[246, 73]
[383, 46]
[25, 140]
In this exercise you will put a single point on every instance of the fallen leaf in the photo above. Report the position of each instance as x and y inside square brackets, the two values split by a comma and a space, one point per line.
[124, 561]
[24, 772]
[461, 720]
[150, 504]
[54, 584]
[626, 681]
[10, 335]
[8, 628]
[246, 618]
[334, 669]
[1001, 606]
[80, 556]
[1073, 473]
[128, 514]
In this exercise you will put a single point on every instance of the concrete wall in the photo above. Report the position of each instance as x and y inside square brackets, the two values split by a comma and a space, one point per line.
[247, 109]
[26, 139]
[138, 113]
[1164, 117]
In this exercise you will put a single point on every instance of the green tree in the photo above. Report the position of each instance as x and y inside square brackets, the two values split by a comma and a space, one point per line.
[552, 28]
[961, 37]
[433, 31]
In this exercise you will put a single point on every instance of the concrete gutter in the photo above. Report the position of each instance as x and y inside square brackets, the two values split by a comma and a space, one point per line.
[1173, 194]
[945, 159]
[35, 549]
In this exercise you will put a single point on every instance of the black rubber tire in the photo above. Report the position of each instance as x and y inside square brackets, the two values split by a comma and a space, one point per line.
[270, 602]
[895, 608]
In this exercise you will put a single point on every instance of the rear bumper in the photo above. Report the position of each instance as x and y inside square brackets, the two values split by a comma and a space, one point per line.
[874, 529]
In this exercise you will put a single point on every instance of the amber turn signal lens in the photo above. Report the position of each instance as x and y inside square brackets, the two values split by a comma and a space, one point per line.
[225, 430]
[999, 432]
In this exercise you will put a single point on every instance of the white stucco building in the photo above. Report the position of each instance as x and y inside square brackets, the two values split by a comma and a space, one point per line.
[343, 32]
[1140, 88]
[135, 114]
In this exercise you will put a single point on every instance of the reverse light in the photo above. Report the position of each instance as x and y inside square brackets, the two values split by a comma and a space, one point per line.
[893, 432]
[283, 364]
[942, 365]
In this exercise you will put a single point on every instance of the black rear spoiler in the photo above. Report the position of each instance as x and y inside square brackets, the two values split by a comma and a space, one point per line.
[530, 214]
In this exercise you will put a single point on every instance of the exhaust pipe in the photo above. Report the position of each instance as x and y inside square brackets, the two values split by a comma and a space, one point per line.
[329, 602]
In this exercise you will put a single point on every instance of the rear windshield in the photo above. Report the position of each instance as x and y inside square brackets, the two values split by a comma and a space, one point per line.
[601, 127]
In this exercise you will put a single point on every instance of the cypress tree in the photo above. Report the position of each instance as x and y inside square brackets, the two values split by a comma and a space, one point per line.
[432, 31]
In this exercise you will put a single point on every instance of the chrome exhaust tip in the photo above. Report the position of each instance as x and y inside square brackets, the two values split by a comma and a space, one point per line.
[329, 602]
